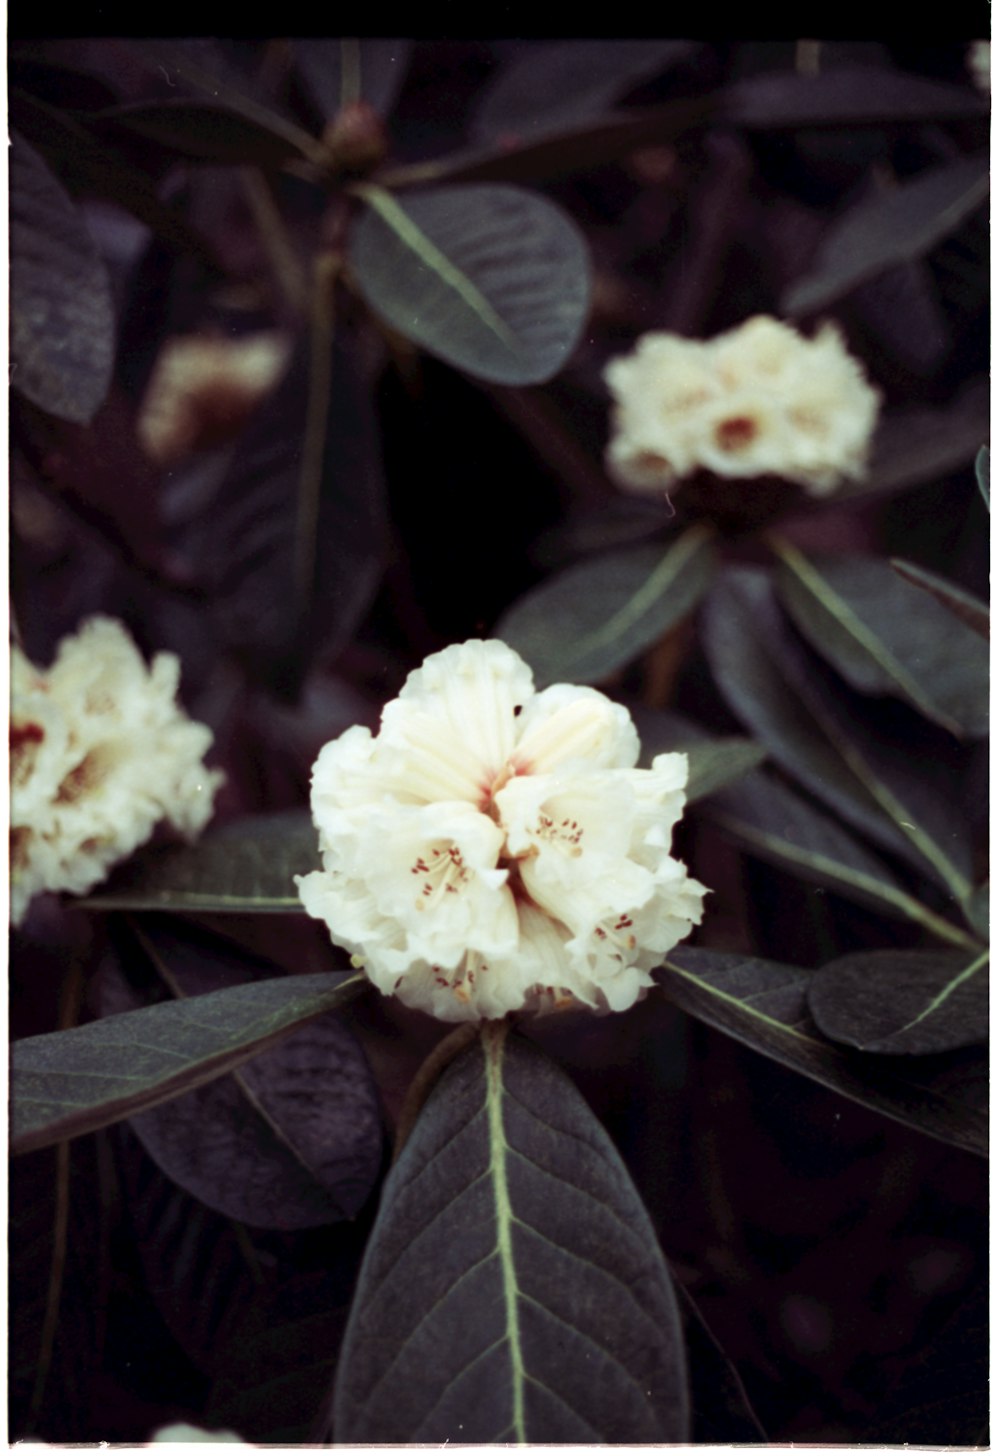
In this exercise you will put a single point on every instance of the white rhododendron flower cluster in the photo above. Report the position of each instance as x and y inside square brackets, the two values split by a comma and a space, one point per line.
[758, 400]
[100, 752]
[495, 849]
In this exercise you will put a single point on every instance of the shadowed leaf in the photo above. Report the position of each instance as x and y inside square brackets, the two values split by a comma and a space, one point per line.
[291, 1140]
[773, 822]
[893, 227]
[885, 636]
[513, 1288]
[903, 1001]
[244, 867]
[983, 474]
[293, 542]
[558, 84]
[65, 1083]
[491, 279]
[967, 609]
[585, 622]
[916, 443]
[61, 316]
[822, 738]
[763, 1005]
[712, 762]
[209, 131]
[844, 96]
[339, 72]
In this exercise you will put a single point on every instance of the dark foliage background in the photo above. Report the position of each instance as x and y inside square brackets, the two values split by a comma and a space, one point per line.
[837, 1257]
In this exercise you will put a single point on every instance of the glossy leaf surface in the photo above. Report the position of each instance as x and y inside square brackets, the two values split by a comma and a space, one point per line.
[885, 636]
[903, 1001]
[595, 617]
[292, 1139]
[494, 280]
[967, 609]
[763, 1004]
[513, 1288]
[65, 1083]
[240, 868]
[892, 227]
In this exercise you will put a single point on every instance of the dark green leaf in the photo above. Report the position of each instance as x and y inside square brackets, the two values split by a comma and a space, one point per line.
[62, 324]
[820, 736]
[555, 85]
[77, 155]
[513, 1288]
[916, 444]
[226, 119]
[712, 762]
[885, 636]
[585, 622]
[292, 575]
[942, 1397]
[338, 72]
[977, 909]
[893, 227]
[491, 279]
[967, 609]
[742, 638]
[846, 96]
[983, 474]
[209, 131]
[772, 821]
[65, 1083]
[763, 1005]
[244, 867]
[903, 1001]
[291, 1140]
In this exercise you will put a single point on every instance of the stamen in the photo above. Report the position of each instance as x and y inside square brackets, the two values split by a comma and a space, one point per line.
[447, 867]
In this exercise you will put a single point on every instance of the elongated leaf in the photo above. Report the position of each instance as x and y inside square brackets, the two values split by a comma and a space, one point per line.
[763, 1005]
[292, 1139]
[773, 822]
[903, 1001]
[776, 101]
[338, 72]
[820, 736]
[207, 131]
[983, 474]
[242, 868]
[582, 624]
[491, 279]
[846, 96]
[293, 543]
[513, 1288]
[743, 632]
[225, 119]
[65, 1083]
[66, 142]
[567, 81]
[977, 909]
[916, 444]
[61, 316]
[712, 762]
[967, 609]
[890, 228]
[885, 636]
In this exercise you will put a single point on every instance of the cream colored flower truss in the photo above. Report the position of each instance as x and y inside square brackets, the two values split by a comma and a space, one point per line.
[495, 849]
[759, 400]
[99, 754]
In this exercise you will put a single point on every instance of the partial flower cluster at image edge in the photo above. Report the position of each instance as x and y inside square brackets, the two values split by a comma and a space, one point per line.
[494, 849]
[100, 753]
